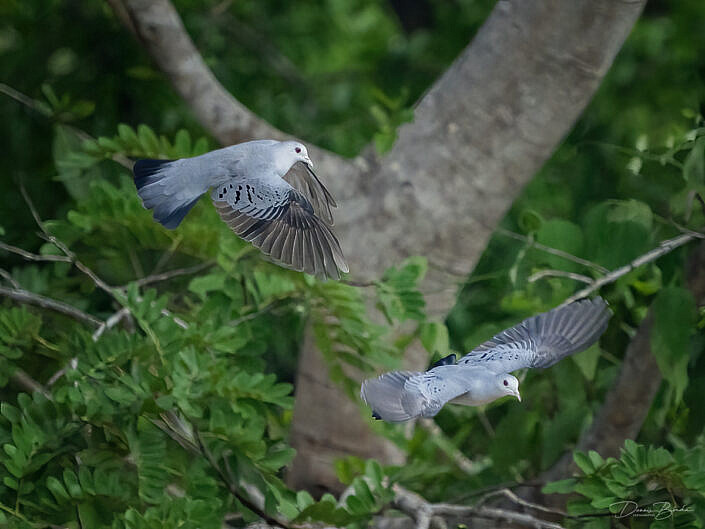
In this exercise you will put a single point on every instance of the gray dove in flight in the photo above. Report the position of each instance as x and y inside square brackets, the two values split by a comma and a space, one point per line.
[264, 190]
[482, 375]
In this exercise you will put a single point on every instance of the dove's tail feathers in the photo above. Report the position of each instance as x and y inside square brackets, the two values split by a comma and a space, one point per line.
[570, 329]
[161, 187]
[393, 396]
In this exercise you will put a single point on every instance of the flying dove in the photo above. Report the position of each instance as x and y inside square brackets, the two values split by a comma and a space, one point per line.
[265, 191]
[482, 375]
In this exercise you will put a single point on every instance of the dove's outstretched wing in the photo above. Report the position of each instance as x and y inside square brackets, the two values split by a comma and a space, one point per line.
[399, 396]
[305, 181]
[281, 222]
[543, 340]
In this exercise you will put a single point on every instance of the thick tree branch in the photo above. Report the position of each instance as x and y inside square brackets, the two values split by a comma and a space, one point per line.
[478, 137]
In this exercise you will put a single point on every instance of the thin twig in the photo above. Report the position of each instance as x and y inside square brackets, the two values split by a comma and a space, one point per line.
[25, 381]
[33, 256]
[423, 512]
[155, 278]
[552, 251]
[111, 322]
[233, 488]
[519, 501]
[73, 364]
[559, 273]
[24, 99]
[24, 296]
[61, 246]
[463, 463]
[8, 277]
[663, 248]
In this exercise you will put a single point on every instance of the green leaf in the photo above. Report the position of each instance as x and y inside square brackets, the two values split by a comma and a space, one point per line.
[674, 313]
[694, 164]
[434, 336]
[207, 283]
[564, 486]
[587, 361]
[530, 221]
[583, 462]
[562, 235]
[618, 231]
[149, 141]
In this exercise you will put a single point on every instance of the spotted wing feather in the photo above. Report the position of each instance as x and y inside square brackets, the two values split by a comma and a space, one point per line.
[399, 396]
[283, 226]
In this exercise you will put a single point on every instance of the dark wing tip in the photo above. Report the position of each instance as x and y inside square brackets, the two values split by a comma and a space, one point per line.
[144, 169]
[445, 361]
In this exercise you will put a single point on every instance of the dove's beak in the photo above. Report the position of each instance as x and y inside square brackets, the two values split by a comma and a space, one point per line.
[517, 395]
[309, 163]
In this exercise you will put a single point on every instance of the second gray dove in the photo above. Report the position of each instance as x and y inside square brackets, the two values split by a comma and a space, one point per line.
[482, 375]
[266, 192]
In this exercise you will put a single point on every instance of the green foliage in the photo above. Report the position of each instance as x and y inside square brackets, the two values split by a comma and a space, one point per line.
[667, 487]
[366, 495]
[152, 424]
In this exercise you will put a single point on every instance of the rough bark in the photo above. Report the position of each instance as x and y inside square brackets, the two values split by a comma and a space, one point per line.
[479, 135]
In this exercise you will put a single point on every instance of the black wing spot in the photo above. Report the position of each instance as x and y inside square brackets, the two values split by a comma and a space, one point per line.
[231, 186]
[237, 195]
[220, 195]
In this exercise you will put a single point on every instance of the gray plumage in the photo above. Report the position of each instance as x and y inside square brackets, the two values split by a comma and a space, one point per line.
[265, 190]
[482, 375]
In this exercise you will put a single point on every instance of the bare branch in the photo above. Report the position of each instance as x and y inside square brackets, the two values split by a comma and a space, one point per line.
[111, 322]
[423, 512]
[24, 296]
[61, 246]
[23, 380]
[471, 468]
[233, 488]
[553, 251]
[164, 276]
[559, 273]
[663, 248]
[33, 256]
[522, 502]
[24, 99]
[8, 277]
[73, 364]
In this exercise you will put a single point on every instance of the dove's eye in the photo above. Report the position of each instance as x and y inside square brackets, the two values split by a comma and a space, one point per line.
[506, 383]
[298, 150]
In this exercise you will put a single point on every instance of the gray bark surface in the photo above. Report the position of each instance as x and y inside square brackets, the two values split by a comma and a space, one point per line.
[479, 135]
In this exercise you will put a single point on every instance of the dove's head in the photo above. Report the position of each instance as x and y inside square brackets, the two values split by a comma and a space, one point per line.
[509, 385]
[290, 152]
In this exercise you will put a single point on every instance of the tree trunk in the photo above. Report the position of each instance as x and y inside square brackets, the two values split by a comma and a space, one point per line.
[479, 135]
[482, 131]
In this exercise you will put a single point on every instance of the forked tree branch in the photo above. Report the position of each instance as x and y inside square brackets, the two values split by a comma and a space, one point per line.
[479, 135]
